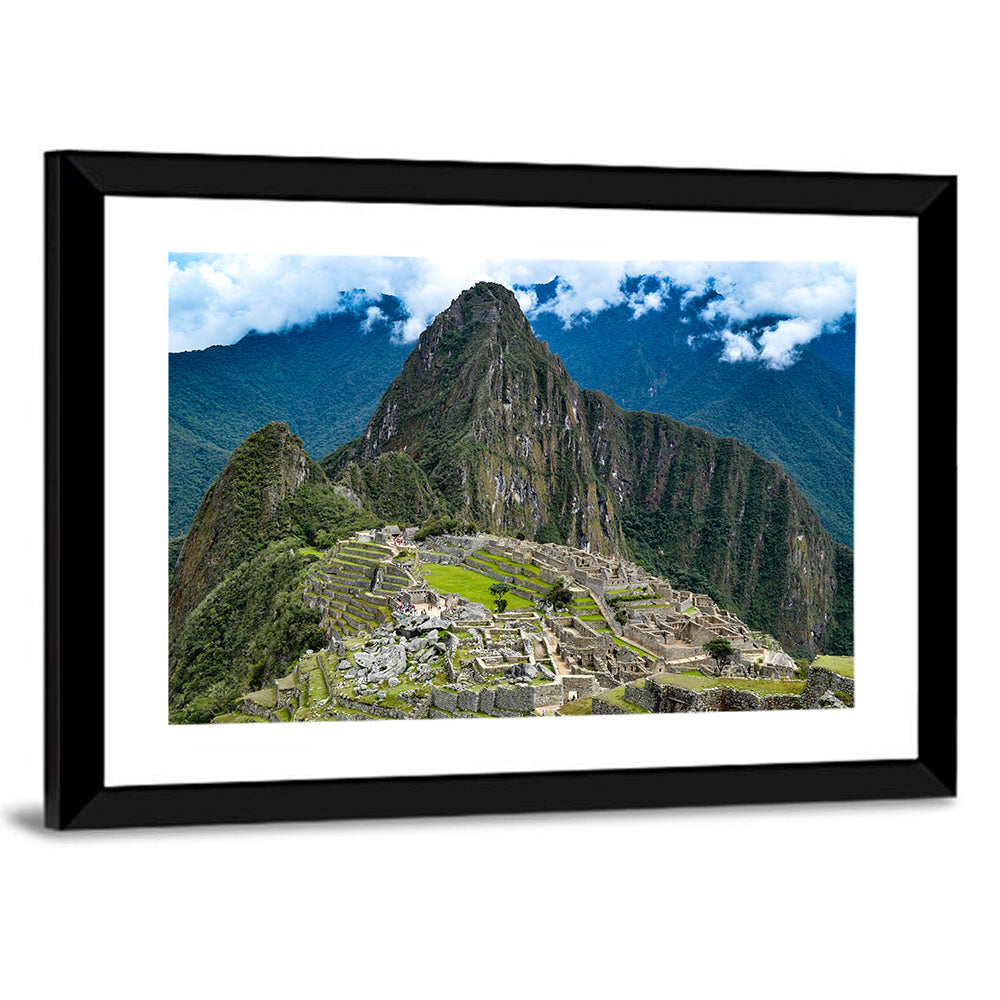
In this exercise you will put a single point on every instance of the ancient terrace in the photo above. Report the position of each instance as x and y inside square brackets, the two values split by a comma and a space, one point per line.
[615, 602]
[399, 648]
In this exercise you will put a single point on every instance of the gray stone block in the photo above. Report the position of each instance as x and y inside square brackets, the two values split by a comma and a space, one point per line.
[518, 698]
[447, 700]
[468, 701]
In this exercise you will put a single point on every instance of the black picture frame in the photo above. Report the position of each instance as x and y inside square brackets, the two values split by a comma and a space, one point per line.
[76, 184]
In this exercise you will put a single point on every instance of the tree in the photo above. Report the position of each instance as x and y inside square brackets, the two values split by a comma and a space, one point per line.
[719, 649]
[558, 597]
[498, 589]
[618, 609]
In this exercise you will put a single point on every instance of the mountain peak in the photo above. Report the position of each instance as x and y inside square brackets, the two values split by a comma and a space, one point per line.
[240, 510]
[494, 421]
[486, 311]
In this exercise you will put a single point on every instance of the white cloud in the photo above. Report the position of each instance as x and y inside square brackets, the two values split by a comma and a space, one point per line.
[779, 344]
[643, 302]
[815, 291]
[373, 315]
[527, 299]
[216, 298]
[737, 347]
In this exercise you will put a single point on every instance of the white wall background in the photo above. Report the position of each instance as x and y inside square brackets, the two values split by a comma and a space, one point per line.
[822, 901]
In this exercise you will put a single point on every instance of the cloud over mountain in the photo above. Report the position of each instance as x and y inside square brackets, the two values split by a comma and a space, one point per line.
[217, 298]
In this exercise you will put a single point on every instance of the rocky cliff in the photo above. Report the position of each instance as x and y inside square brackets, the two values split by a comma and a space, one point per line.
[495, 422]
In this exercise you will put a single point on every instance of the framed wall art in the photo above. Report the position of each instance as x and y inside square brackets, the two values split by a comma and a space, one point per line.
[389, 488]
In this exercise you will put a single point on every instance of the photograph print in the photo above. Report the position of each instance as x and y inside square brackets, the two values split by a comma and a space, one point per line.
[412, 488]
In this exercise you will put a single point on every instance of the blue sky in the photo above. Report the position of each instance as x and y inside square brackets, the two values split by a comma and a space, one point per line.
[217, 298]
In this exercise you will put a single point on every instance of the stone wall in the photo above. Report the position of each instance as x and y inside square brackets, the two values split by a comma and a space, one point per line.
[782, 701]
[518, 698]
[639, 694]
[362, 706]
[581, 640]
[599, 707]
[548, 694]
[584, 685]
[248, 707]
[500, 700]
[632, 634]
[658, 696]
[821, 680]
[445, 699]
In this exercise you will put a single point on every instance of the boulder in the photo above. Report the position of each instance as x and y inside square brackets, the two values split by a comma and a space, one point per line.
[470, 612]
[780, 660]
[828, 700]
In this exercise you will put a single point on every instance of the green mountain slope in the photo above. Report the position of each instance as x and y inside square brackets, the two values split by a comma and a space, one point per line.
[392, 486]
[323, 379]
[236, 597]
[801, 417]
[245, 632]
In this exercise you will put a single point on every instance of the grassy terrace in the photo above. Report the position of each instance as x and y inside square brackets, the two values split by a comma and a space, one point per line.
[468, 583]
[579, 707]
[614, 697]
[522, 569]
[698, 682]
[843, 665]
[524, 580]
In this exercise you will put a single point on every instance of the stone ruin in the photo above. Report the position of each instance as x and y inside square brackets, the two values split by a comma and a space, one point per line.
[666, 624]
[469, 661]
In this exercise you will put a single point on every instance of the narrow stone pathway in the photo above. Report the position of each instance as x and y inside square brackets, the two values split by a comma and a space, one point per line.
[557, 659]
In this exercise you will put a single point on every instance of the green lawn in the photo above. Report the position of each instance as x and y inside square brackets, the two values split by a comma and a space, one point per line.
[316, 686]
[580, 706]
[698, 682]
[474, 586]
[614, 697]
[843, 665]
